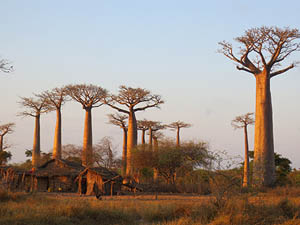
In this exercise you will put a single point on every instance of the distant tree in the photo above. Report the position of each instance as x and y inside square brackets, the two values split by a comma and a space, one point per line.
[242, 122]
[4, 157]
[120, 121]
[262, 51]
[4, 130]
[89, 96]
[5, 66]
[153, 126]
[169, 158]
[56, 97]
[177, 126]
[72, 152]
[130, 98]
[34, 108]
[44, 156]
[283, 168]
[143, 126]
[155, 136]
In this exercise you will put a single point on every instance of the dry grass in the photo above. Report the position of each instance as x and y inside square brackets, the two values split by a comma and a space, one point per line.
[70, 209]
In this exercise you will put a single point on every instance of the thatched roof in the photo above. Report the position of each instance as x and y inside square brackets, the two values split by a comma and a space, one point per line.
[58, 167]
[106, 174]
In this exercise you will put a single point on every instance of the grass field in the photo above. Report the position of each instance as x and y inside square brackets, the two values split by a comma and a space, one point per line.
[279, 206]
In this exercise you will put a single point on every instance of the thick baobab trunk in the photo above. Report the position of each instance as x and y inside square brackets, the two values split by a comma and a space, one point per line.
[143, 137]
[150, 137]
[131, 140]
[87, 150]
[178, 138]
[57, 136]
[1, 143]
[155, 148]
[246, 163]
[264, 164]
[124, 154]
[36, 149]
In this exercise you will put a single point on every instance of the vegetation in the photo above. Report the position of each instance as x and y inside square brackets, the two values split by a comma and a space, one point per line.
[243, 122]
[56, 98]
[177, 126]
[262, 52]
[89, 96]
[272, 207]
[5, 66]
[34, 108]
[134, 99]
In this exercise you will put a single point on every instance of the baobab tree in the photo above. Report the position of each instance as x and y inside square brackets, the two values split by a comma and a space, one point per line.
[262, 50]
[154, 126]
[89, 96]
[5, 66]
[143, 126]
[156, 135]
[34, 108]
[131, 98]
[4, 130]
[120, 121]
[242, 122]
[177, 126]
[56, 98]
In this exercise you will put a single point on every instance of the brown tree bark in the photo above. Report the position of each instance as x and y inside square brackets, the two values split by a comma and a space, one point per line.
[143, 137]
[131, 139]
[124, 154]
[1, 143]
[155, 148]
[246, 162]
[150, 137]
[57, 136]
[87, 151]
[264, 162]
[36, 149]
[177, 137]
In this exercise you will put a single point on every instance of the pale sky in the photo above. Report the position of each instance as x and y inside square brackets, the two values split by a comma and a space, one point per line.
[167, 46]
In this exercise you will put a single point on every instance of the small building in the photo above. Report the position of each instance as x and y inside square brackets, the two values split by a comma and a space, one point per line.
[99, 181]
[56, 175]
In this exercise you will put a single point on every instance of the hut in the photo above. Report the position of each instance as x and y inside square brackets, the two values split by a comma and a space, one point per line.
[56, 175]
[99, 181]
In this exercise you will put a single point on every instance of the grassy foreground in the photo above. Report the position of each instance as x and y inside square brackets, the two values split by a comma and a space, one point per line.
[281, 206]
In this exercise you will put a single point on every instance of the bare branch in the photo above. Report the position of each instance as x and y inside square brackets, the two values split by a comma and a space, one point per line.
[6, 129]
[178, 124]
[131, 97]
[34, 107]
[5, 66]
[273, 74]
[263, 48]
[243, 121]
[89, 96]
[118, 120]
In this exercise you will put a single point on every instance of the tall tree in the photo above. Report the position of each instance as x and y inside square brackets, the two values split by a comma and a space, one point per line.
[177, 126]
[34, 108]
[120, 121]
[4, 130]
[89, 96]
[130, 98]
[262, 50]
[56, 97]
[5, 66]
[154, 127]
[242, 122]
[143, 126]
[156, 135]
